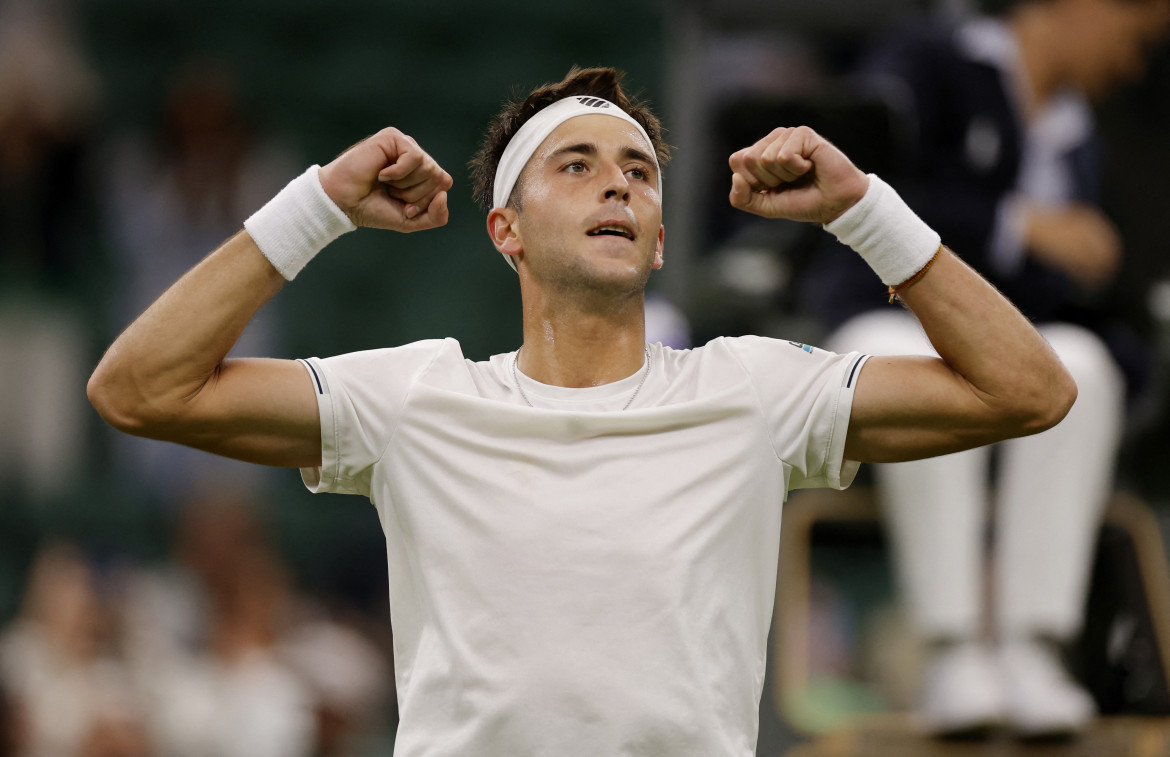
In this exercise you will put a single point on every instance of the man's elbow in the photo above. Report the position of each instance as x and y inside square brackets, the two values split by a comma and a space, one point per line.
[1049, 404]
[104, 399]
[120, 406]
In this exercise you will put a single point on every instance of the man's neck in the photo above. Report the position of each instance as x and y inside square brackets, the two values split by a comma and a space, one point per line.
[568, 347]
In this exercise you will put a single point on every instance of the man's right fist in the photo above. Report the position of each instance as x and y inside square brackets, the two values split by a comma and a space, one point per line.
[387, 181]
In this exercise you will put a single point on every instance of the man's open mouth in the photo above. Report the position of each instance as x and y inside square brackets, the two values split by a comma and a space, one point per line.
[612, 230]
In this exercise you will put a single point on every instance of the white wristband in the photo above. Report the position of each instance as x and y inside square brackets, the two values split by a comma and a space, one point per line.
[886, 233]
[297, 223]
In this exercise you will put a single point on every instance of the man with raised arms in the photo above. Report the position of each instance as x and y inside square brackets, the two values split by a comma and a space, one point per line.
[581, 535]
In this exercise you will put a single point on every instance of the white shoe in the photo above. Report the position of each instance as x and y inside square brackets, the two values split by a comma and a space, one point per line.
[962, 694]
[1042, 700]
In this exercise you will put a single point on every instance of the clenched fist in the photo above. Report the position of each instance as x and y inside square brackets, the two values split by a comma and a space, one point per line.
[796, 174]
[387, 181]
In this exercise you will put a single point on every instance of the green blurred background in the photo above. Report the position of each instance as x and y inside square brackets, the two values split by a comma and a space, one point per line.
[312, 77]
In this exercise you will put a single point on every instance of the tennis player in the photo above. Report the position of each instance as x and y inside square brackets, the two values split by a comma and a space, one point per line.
[582, 535]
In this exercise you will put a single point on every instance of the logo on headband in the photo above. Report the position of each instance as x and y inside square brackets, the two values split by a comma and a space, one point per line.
[593, 102]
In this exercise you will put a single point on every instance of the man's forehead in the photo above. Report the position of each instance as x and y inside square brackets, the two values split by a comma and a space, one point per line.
[601, 131]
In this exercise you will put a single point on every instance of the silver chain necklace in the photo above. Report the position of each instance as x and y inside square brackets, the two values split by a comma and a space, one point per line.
[630, 401]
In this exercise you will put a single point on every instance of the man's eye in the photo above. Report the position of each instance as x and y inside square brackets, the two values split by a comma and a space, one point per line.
[577, 167]
[638, 173]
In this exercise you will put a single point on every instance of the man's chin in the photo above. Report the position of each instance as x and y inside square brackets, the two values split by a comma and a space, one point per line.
[613, 276]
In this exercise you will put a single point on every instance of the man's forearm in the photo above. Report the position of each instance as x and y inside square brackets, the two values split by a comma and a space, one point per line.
[176, 346]
[986, 340]
[1015, 380]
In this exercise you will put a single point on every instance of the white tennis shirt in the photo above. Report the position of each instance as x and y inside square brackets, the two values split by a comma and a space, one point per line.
[575, 580]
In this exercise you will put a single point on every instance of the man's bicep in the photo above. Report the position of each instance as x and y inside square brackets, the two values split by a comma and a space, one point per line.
[907, 408]
[258, 410]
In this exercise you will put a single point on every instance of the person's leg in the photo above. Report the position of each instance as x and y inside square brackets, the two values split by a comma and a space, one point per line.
[42, 398]
[933, 508]
[934, 511]
[934, 515]
[1052, 489]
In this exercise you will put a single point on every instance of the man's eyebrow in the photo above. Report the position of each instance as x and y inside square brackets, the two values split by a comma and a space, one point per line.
[584, 148]
[633, 153]
[588, 148]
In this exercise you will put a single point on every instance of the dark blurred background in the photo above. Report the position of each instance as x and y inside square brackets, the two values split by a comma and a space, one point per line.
[135, 135]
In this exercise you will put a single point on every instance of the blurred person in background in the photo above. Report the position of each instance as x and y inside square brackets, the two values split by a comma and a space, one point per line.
[1001, 156]
[48, 98]
[175, 193]
[233, 660]
[203, 638]
[348, 678]
[666, 323]
[59, 659]
[11, 723]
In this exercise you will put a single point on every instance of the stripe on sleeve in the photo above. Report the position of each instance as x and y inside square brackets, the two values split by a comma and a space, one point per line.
[316, 376]
[853, 370]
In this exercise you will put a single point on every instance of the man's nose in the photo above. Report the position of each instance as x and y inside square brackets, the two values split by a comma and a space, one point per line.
[616, 185]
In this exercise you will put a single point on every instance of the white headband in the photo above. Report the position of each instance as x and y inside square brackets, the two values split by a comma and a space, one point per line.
[536, 129]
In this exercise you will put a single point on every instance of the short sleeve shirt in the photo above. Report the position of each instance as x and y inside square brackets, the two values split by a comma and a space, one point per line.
[574, 576]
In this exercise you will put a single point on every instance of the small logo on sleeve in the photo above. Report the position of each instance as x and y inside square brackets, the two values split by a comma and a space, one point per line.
[807, 348]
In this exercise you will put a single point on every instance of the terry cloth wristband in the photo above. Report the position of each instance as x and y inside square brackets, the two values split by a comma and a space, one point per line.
[297, 223]
[887, 234]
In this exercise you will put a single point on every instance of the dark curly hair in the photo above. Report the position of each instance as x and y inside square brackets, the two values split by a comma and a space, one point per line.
[599, 82]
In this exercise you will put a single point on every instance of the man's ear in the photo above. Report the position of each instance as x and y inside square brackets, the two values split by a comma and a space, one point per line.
[658, 248]
[503, 225]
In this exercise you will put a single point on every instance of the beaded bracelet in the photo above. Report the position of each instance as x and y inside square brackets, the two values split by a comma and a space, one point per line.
[895, 291]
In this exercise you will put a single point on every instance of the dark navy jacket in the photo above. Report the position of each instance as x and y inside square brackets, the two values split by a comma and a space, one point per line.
[960, 147]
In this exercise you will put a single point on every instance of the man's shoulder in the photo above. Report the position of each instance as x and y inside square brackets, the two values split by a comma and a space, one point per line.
[424, 349]
[761, 356]
[753, 343]
[407, 361]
